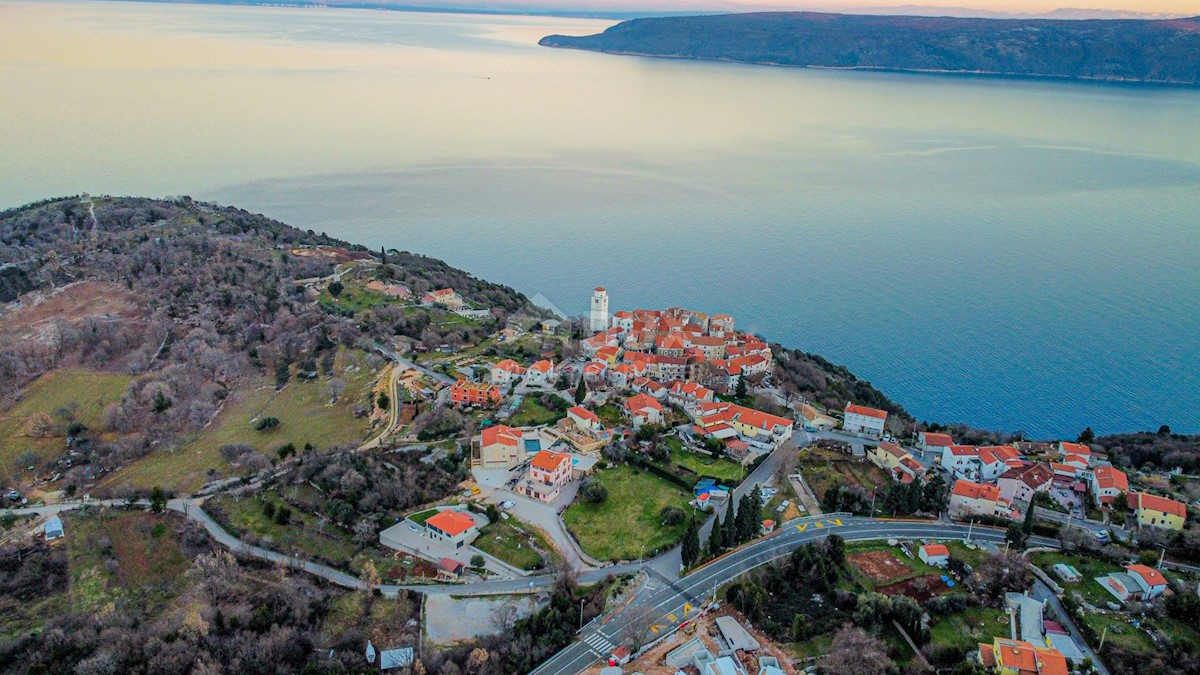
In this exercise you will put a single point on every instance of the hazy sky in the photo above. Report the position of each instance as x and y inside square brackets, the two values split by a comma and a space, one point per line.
[1189, 7]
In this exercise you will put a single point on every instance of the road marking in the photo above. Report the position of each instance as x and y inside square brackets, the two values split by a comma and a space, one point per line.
[673, 618]
[600, 645]
[655, 628]
[687, 608]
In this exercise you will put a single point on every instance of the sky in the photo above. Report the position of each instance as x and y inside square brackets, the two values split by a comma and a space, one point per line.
[1177, 7]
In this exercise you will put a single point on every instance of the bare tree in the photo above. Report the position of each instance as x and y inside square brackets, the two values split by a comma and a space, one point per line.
[854, 651]
[636, 630]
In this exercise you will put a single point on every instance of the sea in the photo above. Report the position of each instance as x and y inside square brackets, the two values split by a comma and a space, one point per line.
[1016, 254]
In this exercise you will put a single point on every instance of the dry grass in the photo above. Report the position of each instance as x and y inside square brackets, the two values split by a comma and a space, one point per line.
[302, 408]
[89, 392]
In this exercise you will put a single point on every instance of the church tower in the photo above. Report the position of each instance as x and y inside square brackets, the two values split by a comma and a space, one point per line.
[599, 310]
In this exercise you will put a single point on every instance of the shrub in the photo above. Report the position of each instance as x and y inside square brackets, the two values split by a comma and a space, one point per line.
[267, 423]
[593, 492]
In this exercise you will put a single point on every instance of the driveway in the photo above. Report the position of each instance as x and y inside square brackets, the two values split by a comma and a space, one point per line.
[409, 537]
[1042, 592]
[541, 515]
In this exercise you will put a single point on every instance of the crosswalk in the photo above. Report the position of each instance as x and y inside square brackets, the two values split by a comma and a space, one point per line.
[599, 644]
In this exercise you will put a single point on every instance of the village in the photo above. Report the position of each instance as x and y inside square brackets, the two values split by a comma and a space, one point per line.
[697, 386]
[653, 444]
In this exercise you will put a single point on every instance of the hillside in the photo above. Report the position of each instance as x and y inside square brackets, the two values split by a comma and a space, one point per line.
[1162, 52]
[148, 337]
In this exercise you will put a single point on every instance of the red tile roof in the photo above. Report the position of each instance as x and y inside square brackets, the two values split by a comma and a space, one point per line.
[1151, 576]
[502, 435]
[965, 488]
[935, 550]
[864, 410]
[1074, 449]
[451, 522]
[549, 461]
[583, 413]
[1161, 504]
[937, 440]
[641, 402]
[1108, 477]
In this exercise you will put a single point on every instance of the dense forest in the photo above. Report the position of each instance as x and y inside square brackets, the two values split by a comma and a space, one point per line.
[1163, 51]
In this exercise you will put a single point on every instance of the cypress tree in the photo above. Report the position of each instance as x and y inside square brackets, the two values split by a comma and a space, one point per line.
[580, 392]
[716, 537]
[691, 544]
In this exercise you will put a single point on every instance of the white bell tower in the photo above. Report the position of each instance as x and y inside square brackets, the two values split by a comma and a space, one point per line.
[599, 310]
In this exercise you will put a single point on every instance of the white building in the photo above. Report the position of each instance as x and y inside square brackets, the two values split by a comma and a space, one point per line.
[599, 314]
[860, 419]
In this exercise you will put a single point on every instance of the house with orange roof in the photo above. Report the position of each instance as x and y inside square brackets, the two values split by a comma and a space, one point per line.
[1108, 482]
[445, 297]
[454, 527]
[687, 394]
[643, 409]
[464, 393]
[962, 461]
[608, 354]
[1080, 449]
[762, 432]
[595, 371]
[1077, 462]
[506, 372]
[1017, 657]
[1155, 511]
[497, 447]
[1021, 484]
[995, 460]
[645, 385]
[670, 344]
[621, 375]
[859, 419]
[897, 462]
[584, 419]
[548, 472]
[929, 441]
[720, 325]
[540, 374]
[1137, 582]
[934, 554]
[969, 499]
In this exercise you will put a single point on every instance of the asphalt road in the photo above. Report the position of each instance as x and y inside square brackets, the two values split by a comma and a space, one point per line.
[663, 604]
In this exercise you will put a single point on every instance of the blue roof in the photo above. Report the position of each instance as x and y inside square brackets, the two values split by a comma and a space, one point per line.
[53, 527]
[395, 658]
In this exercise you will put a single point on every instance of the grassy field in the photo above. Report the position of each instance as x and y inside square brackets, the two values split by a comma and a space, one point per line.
[1089, 568]
[964, 631]
[728, 472]
[301, 536]
[304, 412]
[507, 541]
[610, 414]
[626, 525]
[85, 391]
[532, 414]
[421, 516]
[148, 565]
[355, 297]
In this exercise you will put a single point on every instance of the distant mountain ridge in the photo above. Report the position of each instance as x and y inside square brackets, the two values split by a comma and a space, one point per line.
[1118, 50]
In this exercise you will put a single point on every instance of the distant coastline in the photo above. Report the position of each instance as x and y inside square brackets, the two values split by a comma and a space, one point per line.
[1153, 52]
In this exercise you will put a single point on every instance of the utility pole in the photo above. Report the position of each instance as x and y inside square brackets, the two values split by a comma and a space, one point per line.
[1161, 556]
[1102, 636]
[581, 601]
[970, 526]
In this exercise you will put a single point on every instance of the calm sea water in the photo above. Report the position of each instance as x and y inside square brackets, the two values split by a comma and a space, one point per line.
[1013, 254]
